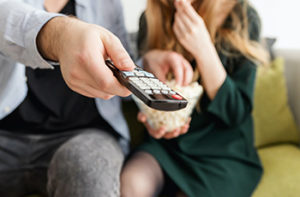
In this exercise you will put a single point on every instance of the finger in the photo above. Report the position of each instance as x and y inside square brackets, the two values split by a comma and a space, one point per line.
[188, 72]
[161, 76]
[177, 132]
[172, 134]
[184, 129]
[188, 9]
[169, 135]
[117, 52]
[90, 91]
[188, 122]
[103, 77]
[176, 66]
[141, 117]
[154, 133]
[157, 134]
[180, 26]
[185, 20]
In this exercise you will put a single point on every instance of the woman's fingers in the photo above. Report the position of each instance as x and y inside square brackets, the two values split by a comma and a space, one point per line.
[177, 68]
[185, 20]
[141, 117]
[173, 134]
[157, 134]
[187, 8]
[188, 72]
[185, 128]
[179, 27]
[162, 132]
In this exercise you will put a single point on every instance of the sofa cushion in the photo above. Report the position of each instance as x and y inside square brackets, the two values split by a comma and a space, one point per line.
[273, 119]
[281, 171]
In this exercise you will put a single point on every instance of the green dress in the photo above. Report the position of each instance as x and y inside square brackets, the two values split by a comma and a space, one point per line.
[217, 157]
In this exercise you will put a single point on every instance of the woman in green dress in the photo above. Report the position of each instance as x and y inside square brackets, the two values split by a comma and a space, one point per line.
[214, 156]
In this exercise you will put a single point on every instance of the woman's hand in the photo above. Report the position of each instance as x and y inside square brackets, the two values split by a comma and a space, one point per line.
[160, 63]
[162, 133]
[190, 29]
[192, 33]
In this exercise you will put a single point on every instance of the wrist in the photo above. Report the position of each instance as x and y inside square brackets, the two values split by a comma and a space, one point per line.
[206, 55]
[50, 38]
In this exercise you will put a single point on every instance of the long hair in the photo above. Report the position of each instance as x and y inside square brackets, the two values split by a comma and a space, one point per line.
[231, 38]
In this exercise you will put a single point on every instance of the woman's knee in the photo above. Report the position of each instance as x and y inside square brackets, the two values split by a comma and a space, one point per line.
[141, 176]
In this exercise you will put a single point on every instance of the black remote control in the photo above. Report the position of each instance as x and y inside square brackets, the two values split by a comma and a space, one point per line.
[149, 89]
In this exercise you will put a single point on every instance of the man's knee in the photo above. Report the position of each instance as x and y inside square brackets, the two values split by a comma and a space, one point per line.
[90, 162]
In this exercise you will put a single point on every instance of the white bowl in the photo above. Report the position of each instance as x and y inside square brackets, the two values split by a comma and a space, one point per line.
[175, 119]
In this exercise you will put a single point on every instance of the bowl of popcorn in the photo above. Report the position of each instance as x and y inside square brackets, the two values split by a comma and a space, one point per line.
[174, 119]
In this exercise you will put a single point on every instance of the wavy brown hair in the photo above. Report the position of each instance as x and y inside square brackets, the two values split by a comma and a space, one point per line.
[231, 37]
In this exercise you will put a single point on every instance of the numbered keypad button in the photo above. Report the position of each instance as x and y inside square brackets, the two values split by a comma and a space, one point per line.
[156, 91]
[165, 92]
[148, 92]
[128, 74]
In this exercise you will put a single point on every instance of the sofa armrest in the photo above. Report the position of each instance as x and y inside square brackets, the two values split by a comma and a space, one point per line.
[292, 74]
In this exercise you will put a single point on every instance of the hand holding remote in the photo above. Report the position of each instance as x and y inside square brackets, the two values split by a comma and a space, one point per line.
[149, 89]
[81, 49]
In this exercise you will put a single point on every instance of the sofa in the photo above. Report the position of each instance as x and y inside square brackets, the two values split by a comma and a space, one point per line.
[281, 161]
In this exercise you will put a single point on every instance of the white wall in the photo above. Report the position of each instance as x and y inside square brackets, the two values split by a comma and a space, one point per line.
[281, 19]
[133, 10]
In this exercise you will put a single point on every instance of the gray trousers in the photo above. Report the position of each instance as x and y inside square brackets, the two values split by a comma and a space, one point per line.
[82, 163]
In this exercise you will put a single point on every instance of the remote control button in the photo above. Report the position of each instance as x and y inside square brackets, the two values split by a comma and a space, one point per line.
[128, 74]
[144, 87]
[139, 74]
[149, 74]
[172, 92]
[156, 91]
[145, 80]
[134, 79]
[155, 88]
[166, 88]
[165, 92]
[148, 92]
[154, 80]
[177, 97]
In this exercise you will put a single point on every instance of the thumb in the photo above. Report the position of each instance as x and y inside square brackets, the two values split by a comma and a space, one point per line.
[117, 52]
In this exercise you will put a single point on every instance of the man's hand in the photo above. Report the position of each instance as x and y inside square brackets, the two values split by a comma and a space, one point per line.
[160, 63]
[81, 50]
[161, 132]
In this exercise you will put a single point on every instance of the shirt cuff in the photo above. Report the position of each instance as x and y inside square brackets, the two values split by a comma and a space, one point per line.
[41, 18]
[139, 62]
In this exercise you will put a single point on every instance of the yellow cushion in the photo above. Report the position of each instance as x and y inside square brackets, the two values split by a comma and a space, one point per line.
[273, 119]
[281, 176]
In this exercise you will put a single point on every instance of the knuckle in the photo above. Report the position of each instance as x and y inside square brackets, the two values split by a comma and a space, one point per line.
[127, 93]
[104, 84]
[200, 21]
[192, 31]
[173, 55]
[75, 75]
[106, 97]
[82, 58]
[72, 84]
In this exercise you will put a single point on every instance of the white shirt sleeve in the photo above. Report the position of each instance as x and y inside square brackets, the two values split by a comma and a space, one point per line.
[19, 26]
